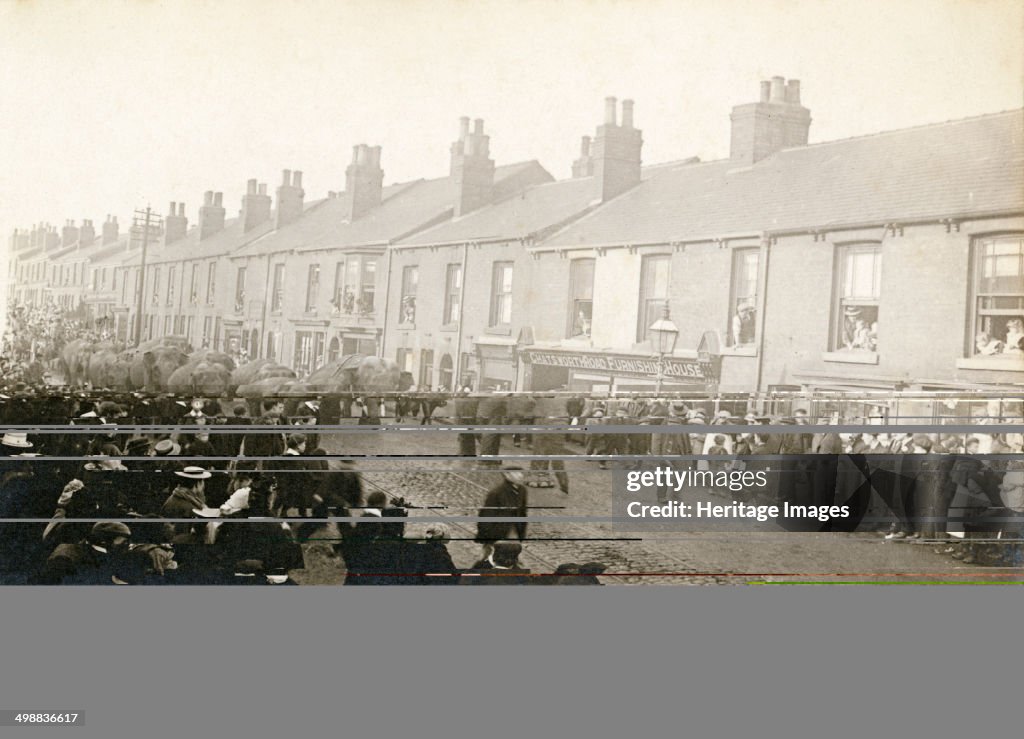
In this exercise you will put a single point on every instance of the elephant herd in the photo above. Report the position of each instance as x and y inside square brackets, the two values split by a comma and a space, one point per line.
[170, 364]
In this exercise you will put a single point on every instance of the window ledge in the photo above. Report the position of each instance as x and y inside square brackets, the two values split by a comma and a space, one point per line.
[738, 351]
[450, 327]
[407, 326]
[851, 357]
[1010, 363]
[499, 330]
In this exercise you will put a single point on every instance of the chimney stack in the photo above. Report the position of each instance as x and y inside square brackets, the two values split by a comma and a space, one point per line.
[175, 223]
[627, 113]
[255, 206]
[364, 182]
[609, 112]
[211, 214]
[584, 166]
[87, 234]
[110, 230]
[472, 167]
[289, 198]
[778, 121]
[616, 152]
[51, 239]
[68, 234]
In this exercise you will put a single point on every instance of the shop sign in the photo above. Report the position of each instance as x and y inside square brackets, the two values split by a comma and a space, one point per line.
[672, 367]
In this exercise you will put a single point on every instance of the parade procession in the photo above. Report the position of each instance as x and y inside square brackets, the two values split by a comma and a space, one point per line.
[447, 380]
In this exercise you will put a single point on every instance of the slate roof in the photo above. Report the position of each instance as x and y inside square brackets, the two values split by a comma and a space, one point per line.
[532, 212]
[965, 167]
[405, 208]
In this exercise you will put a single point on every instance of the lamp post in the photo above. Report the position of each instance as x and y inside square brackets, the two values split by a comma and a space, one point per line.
[663, 337]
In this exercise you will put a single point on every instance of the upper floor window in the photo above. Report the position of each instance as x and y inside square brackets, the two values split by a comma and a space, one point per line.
[358, 286]
[855, 306]
[211, 282]
[743, 297]
[998, 296]
[654, 277]
[171, 274]
[452, 293]
[312, 287]
[581, 297]
[277, 291]
[501, 294]
[240, 290]
[410, 283]
[193, 291]
[156, 285]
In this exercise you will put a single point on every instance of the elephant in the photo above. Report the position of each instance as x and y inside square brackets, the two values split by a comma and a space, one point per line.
[200, 378]
[151, 369]
[176, 342]
[260, 369]
[212, 356]
[75, 361]
[358, 373]
[110, 370]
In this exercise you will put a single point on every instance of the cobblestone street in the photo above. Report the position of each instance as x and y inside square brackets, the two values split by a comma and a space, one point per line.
[454, 487]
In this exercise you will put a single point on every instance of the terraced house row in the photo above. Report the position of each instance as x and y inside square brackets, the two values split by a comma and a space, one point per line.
[887, 261]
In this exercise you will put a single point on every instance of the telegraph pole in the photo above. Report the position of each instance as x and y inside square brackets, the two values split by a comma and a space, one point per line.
[145, 221]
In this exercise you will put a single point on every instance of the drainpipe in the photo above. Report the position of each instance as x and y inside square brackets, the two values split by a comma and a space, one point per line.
[762, 302]
[267, 298]
[462, 314]
[387, 301]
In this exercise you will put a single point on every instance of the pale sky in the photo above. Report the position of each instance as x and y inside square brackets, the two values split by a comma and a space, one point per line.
[107, 106]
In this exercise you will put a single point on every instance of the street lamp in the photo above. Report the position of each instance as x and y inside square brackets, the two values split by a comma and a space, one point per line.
[663, 337]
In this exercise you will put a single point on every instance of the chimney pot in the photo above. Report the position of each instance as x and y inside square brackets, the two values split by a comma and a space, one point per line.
[251, 187]
[173, 208]
[296, 178]
[375, 156]
[585, 146]
[766, 91]
[218, 199]
[286, 177]
[463, 127]
[609, 111]
[793, 92]
[181, 209]
[361, 154]
[208, 197]
[263, 188]
[778, 89]
[478, 126]
[627, 113]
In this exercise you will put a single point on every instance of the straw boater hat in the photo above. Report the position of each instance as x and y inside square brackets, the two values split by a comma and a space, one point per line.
[167, 448]
[193, 473]
[18, 441]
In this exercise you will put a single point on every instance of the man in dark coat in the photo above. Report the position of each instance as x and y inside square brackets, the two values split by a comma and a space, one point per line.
[105, 557]
[429, 560]
[505, 500]
[500, 567]
[266, 444]
[465, 414]
[492, 411]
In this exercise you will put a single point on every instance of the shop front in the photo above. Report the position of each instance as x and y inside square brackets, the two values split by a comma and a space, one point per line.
[603, 372]
[497, 366]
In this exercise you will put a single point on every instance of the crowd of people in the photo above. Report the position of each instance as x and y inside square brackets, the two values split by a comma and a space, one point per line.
[190, 506]
[176, 495]
[35, 335]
